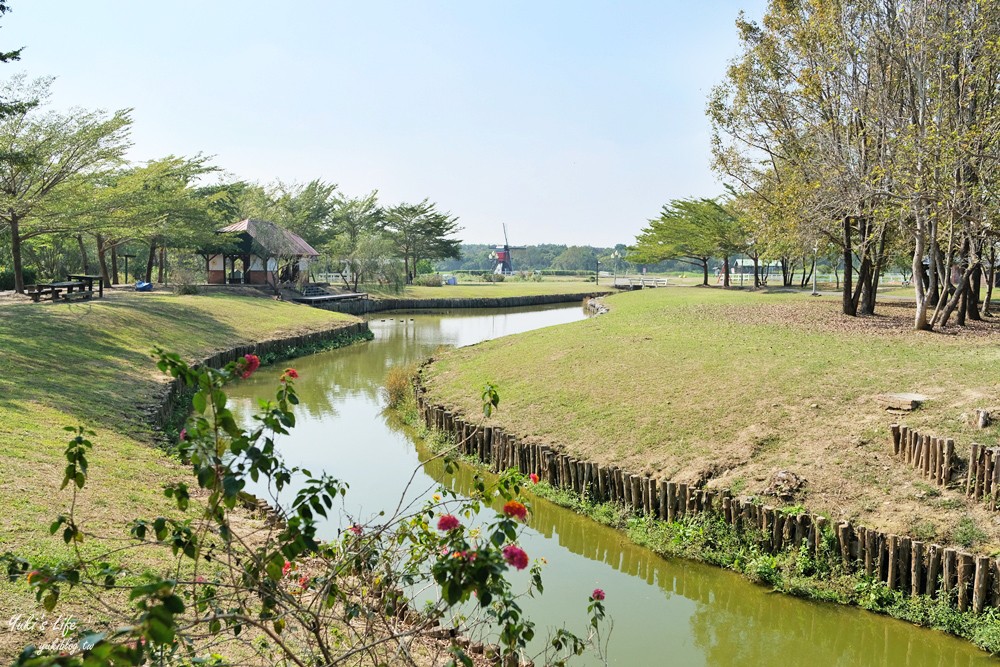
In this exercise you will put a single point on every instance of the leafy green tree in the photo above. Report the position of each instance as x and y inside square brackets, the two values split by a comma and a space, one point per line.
[420, 231]
[576, 258]
[690, 230]
[58, 157]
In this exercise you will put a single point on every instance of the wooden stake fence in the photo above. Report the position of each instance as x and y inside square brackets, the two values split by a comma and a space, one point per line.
[902, 563]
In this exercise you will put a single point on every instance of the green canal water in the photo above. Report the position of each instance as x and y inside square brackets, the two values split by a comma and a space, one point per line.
[664, 612]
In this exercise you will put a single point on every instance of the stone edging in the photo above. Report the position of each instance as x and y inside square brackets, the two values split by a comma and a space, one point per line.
[364, 306]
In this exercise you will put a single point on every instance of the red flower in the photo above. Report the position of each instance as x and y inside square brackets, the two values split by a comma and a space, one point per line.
[303, 582]
[34, 574]
[534, 478]
[247, 365]
[515, 556]
[286, 569]
[448, 522]
[355, 528]
[516, 510]
[292, 373]
[598, 594]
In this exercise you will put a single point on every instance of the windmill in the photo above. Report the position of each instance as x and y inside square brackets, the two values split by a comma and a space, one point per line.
[501, 254]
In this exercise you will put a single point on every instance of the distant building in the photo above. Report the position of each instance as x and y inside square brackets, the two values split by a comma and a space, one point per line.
[262, 253]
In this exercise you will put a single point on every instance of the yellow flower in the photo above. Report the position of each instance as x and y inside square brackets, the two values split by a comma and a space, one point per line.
[437, 497]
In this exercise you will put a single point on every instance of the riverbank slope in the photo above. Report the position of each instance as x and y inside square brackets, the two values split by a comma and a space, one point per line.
[726, 389]
[89, 364]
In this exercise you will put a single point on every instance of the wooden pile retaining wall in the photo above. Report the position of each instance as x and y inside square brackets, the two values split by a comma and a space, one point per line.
[935, 457]
[983, 479]
[365, 306]
[174, 392]
[903, 563]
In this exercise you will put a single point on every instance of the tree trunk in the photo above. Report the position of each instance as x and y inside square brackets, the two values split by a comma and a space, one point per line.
[991, 276]
[849, 305]
[949, 308]
[972, 298]
[161, 272]
[917, 269]
[704, 272]
[83, 254]
[152, 260]
[15, 251]
[725, 271]
[102, 259]
[756, 271]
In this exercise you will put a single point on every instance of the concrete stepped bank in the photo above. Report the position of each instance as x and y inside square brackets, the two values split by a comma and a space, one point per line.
[969, 582]
[365, 306]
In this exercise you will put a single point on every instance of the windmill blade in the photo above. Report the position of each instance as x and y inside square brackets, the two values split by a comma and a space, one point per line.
[505, 241]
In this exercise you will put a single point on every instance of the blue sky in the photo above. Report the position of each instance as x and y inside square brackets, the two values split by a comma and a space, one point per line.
[572, 122]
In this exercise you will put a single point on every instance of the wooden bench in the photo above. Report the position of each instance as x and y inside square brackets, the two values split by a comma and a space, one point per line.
[36, 293]
[76, 296]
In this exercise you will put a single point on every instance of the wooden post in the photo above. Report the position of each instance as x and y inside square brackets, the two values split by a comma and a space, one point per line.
[682, 496]
[637, 492]
[916, 568]
[671, 502]
[727, 509]
[871, 552]
[819, 522]
[949, 561]
[966, 567]
[949, 458]
[905, 561]
[844, 534]
[980, 587]
[895, 439]
[933, 570]
[664, 500]
[970, 480]
[892, 576]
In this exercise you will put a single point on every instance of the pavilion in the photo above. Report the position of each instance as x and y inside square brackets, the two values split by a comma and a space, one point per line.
[261, 253]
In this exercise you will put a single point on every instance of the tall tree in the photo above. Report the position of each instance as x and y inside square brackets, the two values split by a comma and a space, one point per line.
[420, 231]
[53, 155]
[690, 230]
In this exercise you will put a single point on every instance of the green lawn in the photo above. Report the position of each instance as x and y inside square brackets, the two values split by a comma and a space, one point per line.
[730, 386]
[63, 365]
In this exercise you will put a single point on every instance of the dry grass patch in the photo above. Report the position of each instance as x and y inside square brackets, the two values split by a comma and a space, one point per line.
[729, 386]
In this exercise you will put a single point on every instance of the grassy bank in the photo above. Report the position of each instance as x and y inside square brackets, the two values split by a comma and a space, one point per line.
[89, 364]
[728, 387]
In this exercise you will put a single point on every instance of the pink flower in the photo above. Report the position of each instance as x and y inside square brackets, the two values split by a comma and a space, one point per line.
[534, 478]
[598, 594]
[286, 569]
[448, 522]
[515, 556]
[247, 365]
[515, 510]
[355, 528]
[200, 579]
[184, 434]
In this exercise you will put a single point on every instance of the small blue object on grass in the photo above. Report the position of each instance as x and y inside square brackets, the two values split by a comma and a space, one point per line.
[143, 286]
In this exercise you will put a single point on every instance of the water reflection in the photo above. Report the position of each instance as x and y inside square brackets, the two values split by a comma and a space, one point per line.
[666, 612]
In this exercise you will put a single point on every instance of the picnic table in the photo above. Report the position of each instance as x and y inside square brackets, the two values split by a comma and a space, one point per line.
[77, 287]
[89, 280]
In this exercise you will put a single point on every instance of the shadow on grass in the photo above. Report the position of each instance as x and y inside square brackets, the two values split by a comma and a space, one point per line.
[92, 361]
